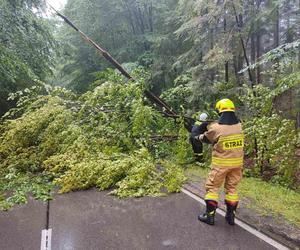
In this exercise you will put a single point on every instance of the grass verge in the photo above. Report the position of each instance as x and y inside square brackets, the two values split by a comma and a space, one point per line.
[266, 198]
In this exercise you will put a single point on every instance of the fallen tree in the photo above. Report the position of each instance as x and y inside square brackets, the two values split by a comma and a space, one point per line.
[67, 141]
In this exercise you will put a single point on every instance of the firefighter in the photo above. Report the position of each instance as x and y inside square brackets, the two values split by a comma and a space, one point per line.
[227, 139]
[200, 127]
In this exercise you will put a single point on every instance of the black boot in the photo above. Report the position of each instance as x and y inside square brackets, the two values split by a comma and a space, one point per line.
[230, 213]
[209, 216]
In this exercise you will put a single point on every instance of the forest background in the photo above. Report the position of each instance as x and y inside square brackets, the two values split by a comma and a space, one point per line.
[70, 120]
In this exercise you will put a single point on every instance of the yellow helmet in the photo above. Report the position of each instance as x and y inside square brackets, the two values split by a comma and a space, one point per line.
[225, 105]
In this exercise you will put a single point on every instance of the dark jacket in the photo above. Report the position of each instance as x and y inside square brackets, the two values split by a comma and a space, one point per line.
[199, 128]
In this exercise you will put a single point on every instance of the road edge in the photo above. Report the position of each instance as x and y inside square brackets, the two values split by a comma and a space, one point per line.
[249, 228]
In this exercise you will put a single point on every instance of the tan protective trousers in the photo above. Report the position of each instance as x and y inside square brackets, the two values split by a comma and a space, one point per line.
[216, 177]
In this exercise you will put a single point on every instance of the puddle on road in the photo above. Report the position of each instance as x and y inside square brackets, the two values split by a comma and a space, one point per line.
[167, 243]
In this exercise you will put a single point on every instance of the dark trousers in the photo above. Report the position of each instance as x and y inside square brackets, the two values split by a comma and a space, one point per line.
[197, 148]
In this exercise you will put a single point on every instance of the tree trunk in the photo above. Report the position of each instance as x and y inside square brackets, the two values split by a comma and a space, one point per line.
[138, 19]
[276, 31]
[299, 50]
[140, 15]
[258, 45]
[212, 71]
[235, 67]
[226, 63]
[276, 27]
[258, 54]
[129, 17]
[242, 50]
[289, 33]
[252, 52]
[227, 72]
[150, 16]
[242, 56]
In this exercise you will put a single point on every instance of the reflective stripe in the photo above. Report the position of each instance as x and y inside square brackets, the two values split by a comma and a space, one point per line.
[232, 197]
[228, 162]
[212, 196]
[231, 137]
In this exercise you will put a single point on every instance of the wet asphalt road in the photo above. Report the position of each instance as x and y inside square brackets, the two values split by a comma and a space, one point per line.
[90, 220]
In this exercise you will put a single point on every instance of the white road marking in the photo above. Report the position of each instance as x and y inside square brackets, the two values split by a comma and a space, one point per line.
[243, 225]
[46, 239]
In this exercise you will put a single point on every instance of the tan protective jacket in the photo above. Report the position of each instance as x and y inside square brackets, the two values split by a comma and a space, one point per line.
[228, 145]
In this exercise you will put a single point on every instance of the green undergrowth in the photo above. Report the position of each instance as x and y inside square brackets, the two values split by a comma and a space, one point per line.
[193, 172]
[272, 199]
[266, 198]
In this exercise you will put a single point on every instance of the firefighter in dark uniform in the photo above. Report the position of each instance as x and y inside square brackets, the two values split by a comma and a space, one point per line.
[200, 127]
